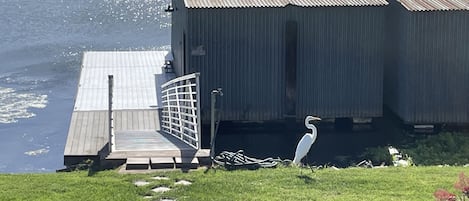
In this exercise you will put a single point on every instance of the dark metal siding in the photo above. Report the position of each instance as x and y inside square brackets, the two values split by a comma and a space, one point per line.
[178, 27]
[340, 60]
[244, 56]
[431, 79]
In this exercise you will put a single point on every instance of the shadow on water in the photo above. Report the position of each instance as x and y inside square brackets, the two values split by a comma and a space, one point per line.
[279, 140]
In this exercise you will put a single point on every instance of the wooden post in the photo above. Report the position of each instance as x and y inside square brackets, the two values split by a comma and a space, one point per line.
[110, 90]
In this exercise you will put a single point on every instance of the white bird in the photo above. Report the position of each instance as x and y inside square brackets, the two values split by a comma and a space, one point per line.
[306, 141]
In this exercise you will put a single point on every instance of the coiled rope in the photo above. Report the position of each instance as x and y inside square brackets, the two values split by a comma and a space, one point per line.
[237, 160]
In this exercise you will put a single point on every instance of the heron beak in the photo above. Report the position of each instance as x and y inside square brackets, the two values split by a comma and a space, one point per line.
[316, 119]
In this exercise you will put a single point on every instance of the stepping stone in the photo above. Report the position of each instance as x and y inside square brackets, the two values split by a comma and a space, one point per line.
[141, 183]
[161, 189]
[160, 178]
[162, 163]
[183, 183]
[165, 199]
[147, 197]
[137, 164]
[192, 163]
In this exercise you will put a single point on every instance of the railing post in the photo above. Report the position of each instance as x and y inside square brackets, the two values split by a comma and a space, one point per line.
[178, 102]
[199, 121]
[110, 90]
[170, 111]
[215, 92]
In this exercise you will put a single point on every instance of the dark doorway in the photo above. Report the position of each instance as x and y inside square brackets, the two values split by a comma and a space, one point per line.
[291, 30]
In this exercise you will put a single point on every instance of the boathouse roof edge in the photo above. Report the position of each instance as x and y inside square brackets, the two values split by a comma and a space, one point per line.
[435, 5]
[200, 4]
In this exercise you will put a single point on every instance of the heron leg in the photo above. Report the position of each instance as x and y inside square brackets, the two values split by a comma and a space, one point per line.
[309, 165]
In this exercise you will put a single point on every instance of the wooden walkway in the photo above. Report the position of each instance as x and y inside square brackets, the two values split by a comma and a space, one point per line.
[88, 133]
[136, 120]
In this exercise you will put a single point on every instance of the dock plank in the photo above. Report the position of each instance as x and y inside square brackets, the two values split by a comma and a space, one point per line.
[71, 135]
[138, 163]
[91, 133]
[88, 141]
[101, 140]
[82, 137]
[160, 153]
[124, 126]
[162, 162]
[79, 128]
[148, 119]
[141, 120]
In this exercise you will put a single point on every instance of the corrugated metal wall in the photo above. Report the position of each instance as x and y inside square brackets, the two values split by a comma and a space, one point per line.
[430, 83]
[391, 84]
[339, 61]
[178, 28]
[243, 55]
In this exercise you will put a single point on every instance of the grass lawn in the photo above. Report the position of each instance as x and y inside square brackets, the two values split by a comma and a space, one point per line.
[284, 183]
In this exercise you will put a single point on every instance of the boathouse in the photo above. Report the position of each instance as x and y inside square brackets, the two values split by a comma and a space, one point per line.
[427, 71]
[287, 58]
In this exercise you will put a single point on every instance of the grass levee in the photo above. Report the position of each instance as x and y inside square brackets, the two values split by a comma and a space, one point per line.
[283, 183]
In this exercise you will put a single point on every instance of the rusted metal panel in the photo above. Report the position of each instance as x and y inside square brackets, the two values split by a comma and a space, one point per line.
[278, 3]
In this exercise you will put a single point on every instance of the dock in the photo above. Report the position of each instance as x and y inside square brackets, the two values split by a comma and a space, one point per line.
[138, 104]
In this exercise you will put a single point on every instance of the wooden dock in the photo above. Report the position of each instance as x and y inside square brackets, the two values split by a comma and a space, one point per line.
[136, 115]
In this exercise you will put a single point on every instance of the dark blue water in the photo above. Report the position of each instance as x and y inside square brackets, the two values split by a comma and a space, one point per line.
[41, 46]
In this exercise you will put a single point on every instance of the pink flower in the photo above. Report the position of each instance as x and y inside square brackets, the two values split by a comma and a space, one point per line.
[463, 184]
[443, 195]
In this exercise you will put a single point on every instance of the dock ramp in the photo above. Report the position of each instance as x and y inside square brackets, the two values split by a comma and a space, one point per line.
[146, 120]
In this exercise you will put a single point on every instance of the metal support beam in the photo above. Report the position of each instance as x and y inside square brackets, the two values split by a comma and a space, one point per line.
[215, 92]
[110, 90]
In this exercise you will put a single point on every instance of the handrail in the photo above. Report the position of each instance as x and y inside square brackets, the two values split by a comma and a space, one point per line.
[179, 79]
[181, 109]
[110, 119]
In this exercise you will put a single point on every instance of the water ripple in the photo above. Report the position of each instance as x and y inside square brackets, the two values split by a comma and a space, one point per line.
[15, 105]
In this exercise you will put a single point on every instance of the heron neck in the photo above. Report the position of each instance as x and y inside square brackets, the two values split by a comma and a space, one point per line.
[313, 129]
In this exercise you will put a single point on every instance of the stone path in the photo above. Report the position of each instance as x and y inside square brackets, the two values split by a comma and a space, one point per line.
[160, 189]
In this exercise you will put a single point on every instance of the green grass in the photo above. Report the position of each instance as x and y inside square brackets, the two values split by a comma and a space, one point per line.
[66, 186]
[413, 183]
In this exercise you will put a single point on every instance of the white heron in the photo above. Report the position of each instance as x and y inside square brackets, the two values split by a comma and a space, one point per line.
[306, 141]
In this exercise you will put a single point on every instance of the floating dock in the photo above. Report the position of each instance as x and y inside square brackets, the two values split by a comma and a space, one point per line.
[136, 109]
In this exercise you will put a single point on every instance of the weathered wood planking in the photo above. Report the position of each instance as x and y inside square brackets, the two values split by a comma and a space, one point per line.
[88, 132]
[136, 140]
[160, 153]
[125, 120]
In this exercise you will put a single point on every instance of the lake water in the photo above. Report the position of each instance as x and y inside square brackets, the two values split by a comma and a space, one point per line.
[41, 46]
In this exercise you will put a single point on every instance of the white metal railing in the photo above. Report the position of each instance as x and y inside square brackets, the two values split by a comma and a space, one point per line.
[181, 109]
